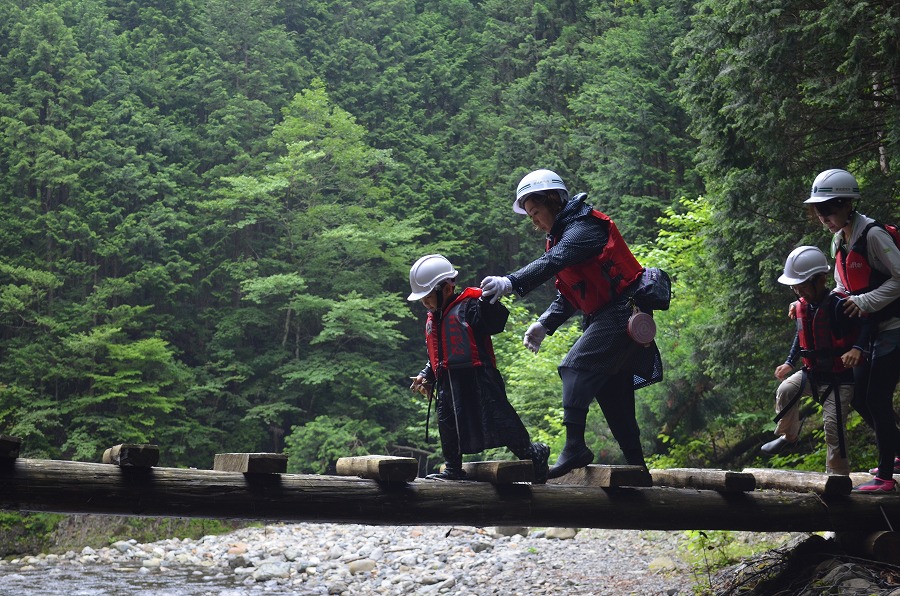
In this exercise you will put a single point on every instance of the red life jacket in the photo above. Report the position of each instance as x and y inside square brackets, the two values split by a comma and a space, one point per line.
[454, 344]
[821, 349]
[593, 283]
[853, 266]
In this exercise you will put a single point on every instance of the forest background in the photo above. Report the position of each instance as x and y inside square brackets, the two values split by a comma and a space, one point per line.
[208, 208]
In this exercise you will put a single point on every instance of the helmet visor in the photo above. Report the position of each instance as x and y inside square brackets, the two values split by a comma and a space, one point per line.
[532, 195]
[831, 207]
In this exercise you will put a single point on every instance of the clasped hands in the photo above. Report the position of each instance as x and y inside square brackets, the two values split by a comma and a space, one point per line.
[420, 385]
[851, 309]
[493, 287]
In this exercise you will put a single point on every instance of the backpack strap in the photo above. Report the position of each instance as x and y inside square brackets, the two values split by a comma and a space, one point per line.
[836, 395]
[796, 397]
[876, 278]
[862, 243]
[834, 391]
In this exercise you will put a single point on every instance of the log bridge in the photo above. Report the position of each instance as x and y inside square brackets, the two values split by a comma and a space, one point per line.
[384, 490]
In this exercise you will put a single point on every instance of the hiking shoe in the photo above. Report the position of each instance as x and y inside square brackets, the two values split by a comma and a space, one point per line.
[777, 446]
[876, 485]
[874, 471]
[540, 453]
[448, 473]
[568, 461]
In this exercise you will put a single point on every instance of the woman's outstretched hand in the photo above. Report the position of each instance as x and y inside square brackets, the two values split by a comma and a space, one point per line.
[534, 336]
[493, 287]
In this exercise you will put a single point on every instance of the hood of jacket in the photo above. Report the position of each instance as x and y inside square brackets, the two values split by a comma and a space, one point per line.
[574, 208]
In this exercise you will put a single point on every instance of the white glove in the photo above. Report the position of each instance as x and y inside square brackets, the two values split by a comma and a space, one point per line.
[534, 336]
[494, 287]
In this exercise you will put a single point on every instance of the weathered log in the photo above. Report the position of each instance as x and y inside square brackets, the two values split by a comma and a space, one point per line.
[384, 468]
[800, 481]
[881, 546]
[251, 463]
[9, 447]
[720, 480]
[500, 472]
[80, 487]
[128, 454]
[599, 476]
[857, 478]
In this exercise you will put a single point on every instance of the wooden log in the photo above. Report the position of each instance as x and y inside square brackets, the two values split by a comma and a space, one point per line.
[9, 447]
[720, 480]
[800, 481]
[384, 468]
[500, 472]
[600, 476]
[128, 454]
[881, 546]
[82, 488]
[251, 463]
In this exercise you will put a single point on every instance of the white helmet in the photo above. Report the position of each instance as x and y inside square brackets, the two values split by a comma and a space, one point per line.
[803, 263]
[537, 181]
[832, 184]
[427, 273]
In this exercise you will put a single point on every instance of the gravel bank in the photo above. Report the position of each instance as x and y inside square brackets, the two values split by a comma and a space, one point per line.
[319, 559]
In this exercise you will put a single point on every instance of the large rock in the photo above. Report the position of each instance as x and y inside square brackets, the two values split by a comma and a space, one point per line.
[268, 571]
[561, 533]
[361, 566]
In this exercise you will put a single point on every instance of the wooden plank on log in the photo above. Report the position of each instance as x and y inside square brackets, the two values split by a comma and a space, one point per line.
[9, 447]
[801, 481]
[500, 472]
[600, 476]
[699, 478]
[384, 468]
[53, 486]
[251, 463]
[130, 454]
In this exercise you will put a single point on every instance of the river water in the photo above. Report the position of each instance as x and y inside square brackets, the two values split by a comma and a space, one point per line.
[123, 581]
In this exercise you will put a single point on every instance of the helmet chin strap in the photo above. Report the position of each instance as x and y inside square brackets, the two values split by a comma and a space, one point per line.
[849, 217]
[440, 296]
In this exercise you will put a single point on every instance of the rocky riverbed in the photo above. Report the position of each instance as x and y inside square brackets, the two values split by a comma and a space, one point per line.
[320, 559]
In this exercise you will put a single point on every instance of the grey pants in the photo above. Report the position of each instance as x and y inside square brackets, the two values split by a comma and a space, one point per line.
[789, 425]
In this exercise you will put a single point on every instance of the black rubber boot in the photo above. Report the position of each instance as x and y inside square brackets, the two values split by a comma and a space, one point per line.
[575, 453]
[450, 472]
[635, 457]
[776, 446]
[540, 453]
[569, 459]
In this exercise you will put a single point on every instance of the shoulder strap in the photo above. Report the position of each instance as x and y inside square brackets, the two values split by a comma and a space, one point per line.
[861, 245]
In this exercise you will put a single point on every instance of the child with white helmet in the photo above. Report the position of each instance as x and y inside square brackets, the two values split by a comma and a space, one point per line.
[473, 411]
[830, 345]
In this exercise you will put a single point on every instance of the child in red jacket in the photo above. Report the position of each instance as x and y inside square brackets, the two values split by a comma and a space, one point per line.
[473, 411]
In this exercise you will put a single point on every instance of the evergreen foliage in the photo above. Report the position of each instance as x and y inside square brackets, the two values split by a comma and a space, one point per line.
[208, 209]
